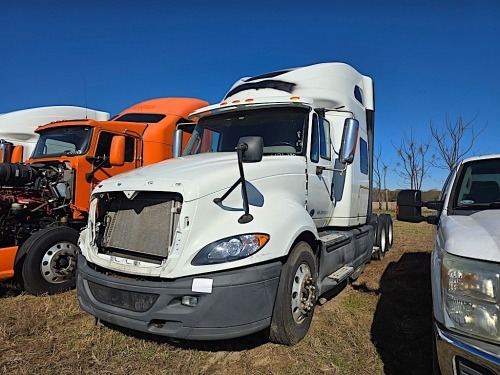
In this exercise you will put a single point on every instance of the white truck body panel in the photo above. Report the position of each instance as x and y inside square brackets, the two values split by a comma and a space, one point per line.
[214, 173]
[327, 85]
[476, 236]
[18, 127]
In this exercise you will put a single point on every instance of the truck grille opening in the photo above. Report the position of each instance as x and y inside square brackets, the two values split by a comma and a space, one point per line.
[139, 228]
[124, 299]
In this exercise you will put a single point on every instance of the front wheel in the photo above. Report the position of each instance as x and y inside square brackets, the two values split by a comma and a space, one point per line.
[50, 262]
[296, 297]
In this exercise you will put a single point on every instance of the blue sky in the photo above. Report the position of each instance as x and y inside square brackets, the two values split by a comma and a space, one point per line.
[429, 59]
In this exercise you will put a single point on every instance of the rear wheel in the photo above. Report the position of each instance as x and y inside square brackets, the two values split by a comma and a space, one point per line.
[381, 238]
[50, 260]
[296, 297]
[389, 230]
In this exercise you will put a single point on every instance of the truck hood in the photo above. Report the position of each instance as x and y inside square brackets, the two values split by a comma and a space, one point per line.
[474, 236]
[196, 176]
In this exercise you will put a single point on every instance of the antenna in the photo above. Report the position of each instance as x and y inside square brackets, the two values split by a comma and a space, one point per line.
[86, 105]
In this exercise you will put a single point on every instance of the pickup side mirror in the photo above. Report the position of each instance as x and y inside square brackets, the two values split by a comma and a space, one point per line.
[349, 141]
[117, 151]
[409, 207]
[252, 149]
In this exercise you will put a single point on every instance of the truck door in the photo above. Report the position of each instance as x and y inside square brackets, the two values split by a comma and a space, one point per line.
[320, 200]
[102, 152]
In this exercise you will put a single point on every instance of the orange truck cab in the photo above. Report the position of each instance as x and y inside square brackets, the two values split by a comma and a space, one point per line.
[44, 202]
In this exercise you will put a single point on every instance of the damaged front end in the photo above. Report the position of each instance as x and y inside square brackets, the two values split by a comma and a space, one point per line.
[136, 227]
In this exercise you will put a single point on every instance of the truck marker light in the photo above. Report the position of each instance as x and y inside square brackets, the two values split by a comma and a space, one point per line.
[248, 100]
[236, 101]
[223, 103]
[190, 301]
[202, 285]
[295, 98]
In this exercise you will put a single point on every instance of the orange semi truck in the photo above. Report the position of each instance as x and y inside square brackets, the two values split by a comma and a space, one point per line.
[44, 202]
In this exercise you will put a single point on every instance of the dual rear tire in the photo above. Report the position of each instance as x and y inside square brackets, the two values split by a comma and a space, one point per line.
[383, 236]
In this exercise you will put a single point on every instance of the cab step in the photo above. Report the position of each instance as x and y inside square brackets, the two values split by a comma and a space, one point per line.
[341, 274]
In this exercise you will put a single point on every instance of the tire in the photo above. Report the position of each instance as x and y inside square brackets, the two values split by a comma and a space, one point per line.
[389, 230]
[435, 362]
[296, 297]
[49, 260]
[381, 238]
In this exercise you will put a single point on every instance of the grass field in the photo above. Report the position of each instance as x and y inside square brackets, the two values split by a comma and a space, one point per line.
[381, 324]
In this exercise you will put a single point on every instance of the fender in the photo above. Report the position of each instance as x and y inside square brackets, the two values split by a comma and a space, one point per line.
[8, 259]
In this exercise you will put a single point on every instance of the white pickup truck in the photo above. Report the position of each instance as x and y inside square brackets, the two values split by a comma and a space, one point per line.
[465, 266]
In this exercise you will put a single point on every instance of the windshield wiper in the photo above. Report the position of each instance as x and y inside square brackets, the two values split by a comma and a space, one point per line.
[478, 206]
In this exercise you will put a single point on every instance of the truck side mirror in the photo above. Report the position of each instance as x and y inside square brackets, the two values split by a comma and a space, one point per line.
[182, 127]
[249, 150]
[177, 143]
[17, 154]
[117, 151]
[349, 141]
[252, 149]
[5, 151]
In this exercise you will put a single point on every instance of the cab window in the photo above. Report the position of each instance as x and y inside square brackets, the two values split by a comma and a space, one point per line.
[320, 139]
[104, 145]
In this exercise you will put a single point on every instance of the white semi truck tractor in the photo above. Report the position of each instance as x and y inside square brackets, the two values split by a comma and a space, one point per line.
[18, 128]
[268, 209]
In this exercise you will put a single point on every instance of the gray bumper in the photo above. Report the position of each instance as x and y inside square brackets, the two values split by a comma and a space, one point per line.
[241, 302]
[460, 355]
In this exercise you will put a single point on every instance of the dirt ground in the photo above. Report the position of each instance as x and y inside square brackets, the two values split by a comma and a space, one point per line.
[381, 324]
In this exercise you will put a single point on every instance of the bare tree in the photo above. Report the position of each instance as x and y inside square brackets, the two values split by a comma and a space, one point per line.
[413, 163]
[452, 144]
[377, 175]
[385, 168]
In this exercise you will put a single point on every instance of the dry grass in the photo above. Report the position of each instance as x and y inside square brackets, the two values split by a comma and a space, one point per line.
[380, 324]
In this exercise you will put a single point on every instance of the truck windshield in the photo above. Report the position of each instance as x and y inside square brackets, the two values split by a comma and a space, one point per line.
[69, 141]
[478, 186]
[282, 129]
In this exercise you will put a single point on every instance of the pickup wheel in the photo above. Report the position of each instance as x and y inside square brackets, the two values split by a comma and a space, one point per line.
[50, 260]
[296, 297]
[381, 238]
[435, 362]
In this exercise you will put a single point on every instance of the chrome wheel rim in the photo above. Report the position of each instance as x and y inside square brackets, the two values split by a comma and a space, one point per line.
[302, 293]
[59, 262]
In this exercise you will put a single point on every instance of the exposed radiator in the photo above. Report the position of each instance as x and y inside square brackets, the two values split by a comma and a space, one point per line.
[145, 224]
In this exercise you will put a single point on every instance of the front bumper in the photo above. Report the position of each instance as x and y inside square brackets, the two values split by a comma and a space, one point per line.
[459, 355]
[240, 302]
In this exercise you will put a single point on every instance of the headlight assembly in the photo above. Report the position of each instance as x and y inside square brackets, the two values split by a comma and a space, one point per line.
[471, 296]
[230, 249]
